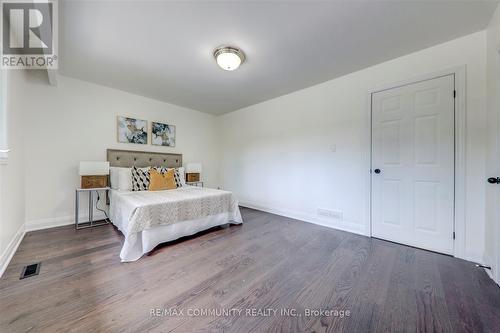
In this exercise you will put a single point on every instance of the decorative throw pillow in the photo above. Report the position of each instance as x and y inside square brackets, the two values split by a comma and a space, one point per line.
[177, 174]
[161, 181]
[178, 177]
[140, 179]
[181, 176]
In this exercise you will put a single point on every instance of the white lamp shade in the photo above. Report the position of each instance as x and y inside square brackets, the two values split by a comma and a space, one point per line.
[94, 168]
[193, 168]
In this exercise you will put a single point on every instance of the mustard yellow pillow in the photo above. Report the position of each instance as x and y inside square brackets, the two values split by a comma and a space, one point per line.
[159, 181]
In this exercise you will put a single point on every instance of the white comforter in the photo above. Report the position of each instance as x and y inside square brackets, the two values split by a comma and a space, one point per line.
[149, 218]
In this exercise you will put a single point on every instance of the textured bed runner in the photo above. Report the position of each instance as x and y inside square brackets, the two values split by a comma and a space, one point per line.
[149, 209]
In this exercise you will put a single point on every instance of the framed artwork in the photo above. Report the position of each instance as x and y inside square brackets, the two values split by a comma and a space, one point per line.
[132, 130]
[163, 135]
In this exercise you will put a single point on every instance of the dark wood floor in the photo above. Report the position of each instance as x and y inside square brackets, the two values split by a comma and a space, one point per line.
[270, 262]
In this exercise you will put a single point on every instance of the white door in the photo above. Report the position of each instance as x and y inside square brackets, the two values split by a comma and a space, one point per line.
[413, 164]
[492, 243]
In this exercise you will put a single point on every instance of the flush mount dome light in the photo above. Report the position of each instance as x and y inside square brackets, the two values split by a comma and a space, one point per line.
[229, 58]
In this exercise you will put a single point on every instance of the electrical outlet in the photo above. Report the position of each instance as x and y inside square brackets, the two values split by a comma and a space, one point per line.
[334, 214]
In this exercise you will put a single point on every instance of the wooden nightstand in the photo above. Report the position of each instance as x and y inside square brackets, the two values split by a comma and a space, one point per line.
[198, 184]
[90, 223]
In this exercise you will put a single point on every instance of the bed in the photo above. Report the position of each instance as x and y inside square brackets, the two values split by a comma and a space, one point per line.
[149, 218]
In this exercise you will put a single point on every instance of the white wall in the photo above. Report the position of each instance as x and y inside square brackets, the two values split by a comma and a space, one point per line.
[492, 245]
[76, 121]
[277, 154]
[12, 180]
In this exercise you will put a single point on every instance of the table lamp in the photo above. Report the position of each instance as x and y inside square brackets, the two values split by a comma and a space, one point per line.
[94, 174]
[193, 171]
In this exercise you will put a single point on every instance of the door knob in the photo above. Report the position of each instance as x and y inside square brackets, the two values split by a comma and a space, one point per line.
[494, 180]
[377, 171]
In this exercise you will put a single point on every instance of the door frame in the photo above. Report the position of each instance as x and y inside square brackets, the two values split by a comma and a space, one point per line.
[460, 151]
[495, 261]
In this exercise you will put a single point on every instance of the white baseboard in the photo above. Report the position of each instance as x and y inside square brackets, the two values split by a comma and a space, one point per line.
[8, 253]
[54, 222]
[330, 223]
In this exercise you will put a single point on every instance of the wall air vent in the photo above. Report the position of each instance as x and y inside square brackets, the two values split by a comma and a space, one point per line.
[334, 214]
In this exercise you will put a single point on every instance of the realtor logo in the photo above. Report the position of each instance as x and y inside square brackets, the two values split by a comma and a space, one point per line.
[29, 34]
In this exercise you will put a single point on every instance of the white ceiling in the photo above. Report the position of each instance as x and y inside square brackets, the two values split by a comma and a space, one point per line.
[163, 50]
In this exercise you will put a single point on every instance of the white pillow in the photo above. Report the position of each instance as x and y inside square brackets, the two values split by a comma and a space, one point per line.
[125, 179]
[113, 177]
[121, 178]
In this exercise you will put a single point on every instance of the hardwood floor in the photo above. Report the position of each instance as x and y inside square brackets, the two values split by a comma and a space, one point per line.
[270, 262]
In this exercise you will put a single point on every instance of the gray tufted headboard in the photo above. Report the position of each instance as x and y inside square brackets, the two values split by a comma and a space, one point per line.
[130, 158]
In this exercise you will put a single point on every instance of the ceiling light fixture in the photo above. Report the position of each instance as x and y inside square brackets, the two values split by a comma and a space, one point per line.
[229, 58]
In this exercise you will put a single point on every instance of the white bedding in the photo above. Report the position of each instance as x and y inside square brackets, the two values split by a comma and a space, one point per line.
[147, 219]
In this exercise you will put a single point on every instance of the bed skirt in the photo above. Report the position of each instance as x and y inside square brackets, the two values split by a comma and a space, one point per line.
[146, 240]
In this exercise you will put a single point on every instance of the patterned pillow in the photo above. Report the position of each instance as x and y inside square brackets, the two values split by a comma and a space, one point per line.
[140, 179]
[178, 178]
[177, 174]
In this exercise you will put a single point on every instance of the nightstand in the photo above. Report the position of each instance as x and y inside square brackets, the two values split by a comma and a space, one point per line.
[90, 223]
[198, 184]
